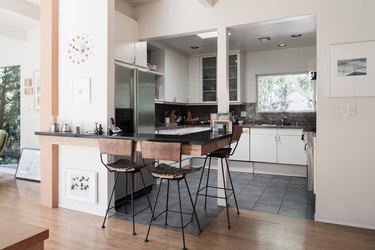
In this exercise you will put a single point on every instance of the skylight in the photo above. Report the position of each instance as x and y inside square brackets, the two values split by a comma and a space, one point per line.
[207, 35]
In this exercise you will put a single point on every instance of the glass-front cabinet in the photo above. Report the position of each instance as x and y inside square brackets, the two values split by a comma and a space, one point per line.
[209, 79]
[233, 78]
[208, 74]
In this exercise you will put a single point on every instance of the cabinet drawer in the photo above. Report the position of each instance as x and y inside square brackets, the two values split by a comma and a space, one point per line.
[263, 131]
[290, 131]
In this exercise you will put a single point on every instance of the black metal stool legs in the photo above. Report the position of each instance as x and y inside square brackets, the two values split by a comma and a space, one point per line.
[225, 191]
[144, 186]
[208, 178]
[231, 183]
[182, 221]
[126, 193]
[153, 211]
[110, 200]
[199, 185]
[132, 200]
[192, 204]
[166, 205]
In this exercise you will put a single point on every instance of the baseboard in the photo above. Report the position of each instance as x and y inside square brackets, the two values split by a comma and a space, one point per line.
[344, 223]
[258, 167]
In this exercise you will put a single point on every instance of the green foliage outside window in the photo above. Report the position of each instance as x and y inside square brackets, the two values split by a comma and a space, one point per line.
[10, 111]
[280, 93]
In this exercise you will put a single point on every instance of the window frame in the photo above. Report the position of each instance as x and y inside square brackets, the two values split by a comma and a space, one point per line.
[283, 111]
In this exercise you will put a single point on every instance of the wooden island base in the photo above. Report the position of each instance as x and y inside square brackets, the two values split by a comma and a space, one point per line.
[19, 235]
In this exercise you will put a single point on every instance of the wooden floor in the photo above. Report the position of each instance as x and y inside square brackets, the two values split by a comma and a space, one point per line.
[19, 200]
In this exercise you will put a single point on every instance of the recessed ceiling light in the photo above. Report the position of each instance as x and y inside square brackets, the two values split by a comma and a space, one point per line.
[194, 47]
[229, 34]
[264, 39]
[296, 35]
[207, 35]
[282, 45]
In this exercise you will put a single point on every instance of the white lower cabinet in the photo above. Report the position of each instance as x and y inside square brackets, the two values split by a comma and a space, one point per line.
[291, 150]
[263, 146]
[277, 146]
[242, 152]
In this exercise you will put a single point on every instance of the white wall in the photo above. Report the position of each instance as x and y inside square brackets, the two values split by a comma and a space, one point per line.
[345, 163]
[26, 54]
[93, 18]
[272, 62]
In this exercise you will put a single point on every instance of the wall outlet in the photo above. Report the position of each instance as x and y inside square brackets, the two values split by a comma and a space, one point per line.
[351, 108]
[243, 113]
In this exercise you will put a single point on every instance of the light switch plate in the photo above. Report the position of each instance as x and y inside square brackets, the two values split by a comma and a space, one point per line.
[243, 113]
[350, 108]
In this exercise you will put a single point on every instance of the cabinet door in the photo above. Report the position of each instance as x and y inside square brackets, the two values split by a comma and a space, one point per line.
[242, 152]
[291, 150]
[176, 77]
[141, 54]
[263, 146]
[124, 38]
[233, 78]
[194, 82]
[208, 79]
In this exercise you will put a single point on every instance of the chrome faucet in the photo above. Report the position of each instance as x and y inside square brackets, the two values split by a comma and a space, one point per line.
[283, 120]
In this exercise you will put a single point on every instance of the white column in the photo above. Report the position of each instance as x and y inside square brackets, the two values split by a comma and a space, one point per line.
[222, 97]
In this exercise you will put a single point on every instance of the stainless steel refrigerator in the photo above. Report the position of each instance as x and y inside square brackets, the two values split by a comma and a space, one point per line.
[135, 92]
[135, 112]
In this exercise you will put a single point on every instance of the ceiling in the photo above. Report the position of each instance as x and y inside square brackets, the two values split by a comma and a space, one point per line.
[16, 17]
[245, 37]
[137, 2]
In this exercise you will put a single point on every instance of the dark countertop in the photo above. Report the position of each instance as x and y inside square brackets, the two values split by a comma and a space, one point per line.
[199, 138]
[305, 128]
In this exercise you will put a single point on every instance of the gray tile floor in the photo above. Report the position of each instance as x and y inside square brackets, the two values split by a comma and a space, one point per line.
[283, 195]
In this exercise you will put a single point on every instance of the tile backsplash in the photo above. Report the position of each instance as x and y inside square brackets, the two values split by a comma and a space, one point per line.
[203, 113]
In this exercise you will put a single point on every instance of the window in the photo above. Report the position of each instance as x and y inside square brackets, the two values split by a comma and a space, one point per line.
[288, 92]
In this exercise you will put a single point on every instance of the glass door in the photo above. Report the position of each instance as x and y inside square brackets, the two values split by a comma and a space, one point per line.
[209, 79]
[233, 77]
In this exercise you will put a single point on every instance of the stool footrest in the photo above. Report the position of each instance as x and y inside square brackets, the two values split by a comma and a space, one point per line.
[215, 196]
[174, 211]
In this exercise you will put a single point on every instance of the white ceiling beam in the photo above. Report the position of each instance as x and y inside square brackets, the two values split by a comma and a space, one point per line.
[208, 3]
[12, 32]
[22, 8]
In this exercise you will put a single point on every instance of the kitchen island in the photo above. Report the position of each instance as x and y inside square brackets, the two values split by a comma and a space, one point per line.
[195, 144]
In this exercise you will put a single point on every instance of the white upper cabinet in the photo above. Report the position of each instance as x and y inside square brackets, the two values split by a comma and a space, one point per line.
[176, 77]
[127, 47]
[203, 80]
[173, 84]
[194, 80]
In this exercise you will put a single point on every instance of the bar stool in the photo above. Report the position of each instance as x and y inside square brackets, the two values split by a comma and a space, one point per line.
[222, 153]
[122, 148]
[169, 152]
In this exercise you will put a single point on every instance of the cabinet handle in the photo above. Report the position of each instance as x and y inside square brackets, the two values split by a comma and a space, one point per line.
[276, 138]
[279, 139]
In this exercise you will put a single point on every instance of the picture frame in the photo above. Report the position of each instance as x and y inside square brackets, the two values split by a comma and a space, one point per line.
[37, 90]
[29, 165]
[81, 185]
[352, 69]
[81, 90]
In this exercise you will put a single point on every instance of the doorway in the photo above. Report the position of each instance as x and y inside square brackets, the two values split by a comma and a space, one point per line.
[10, 113]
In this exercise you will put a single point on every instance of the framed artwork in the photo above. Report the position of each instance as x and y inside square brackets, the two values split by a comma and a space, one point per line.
[81, 185]
[37, 90]
[352, 70]
[81, 90]
[29, 165]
